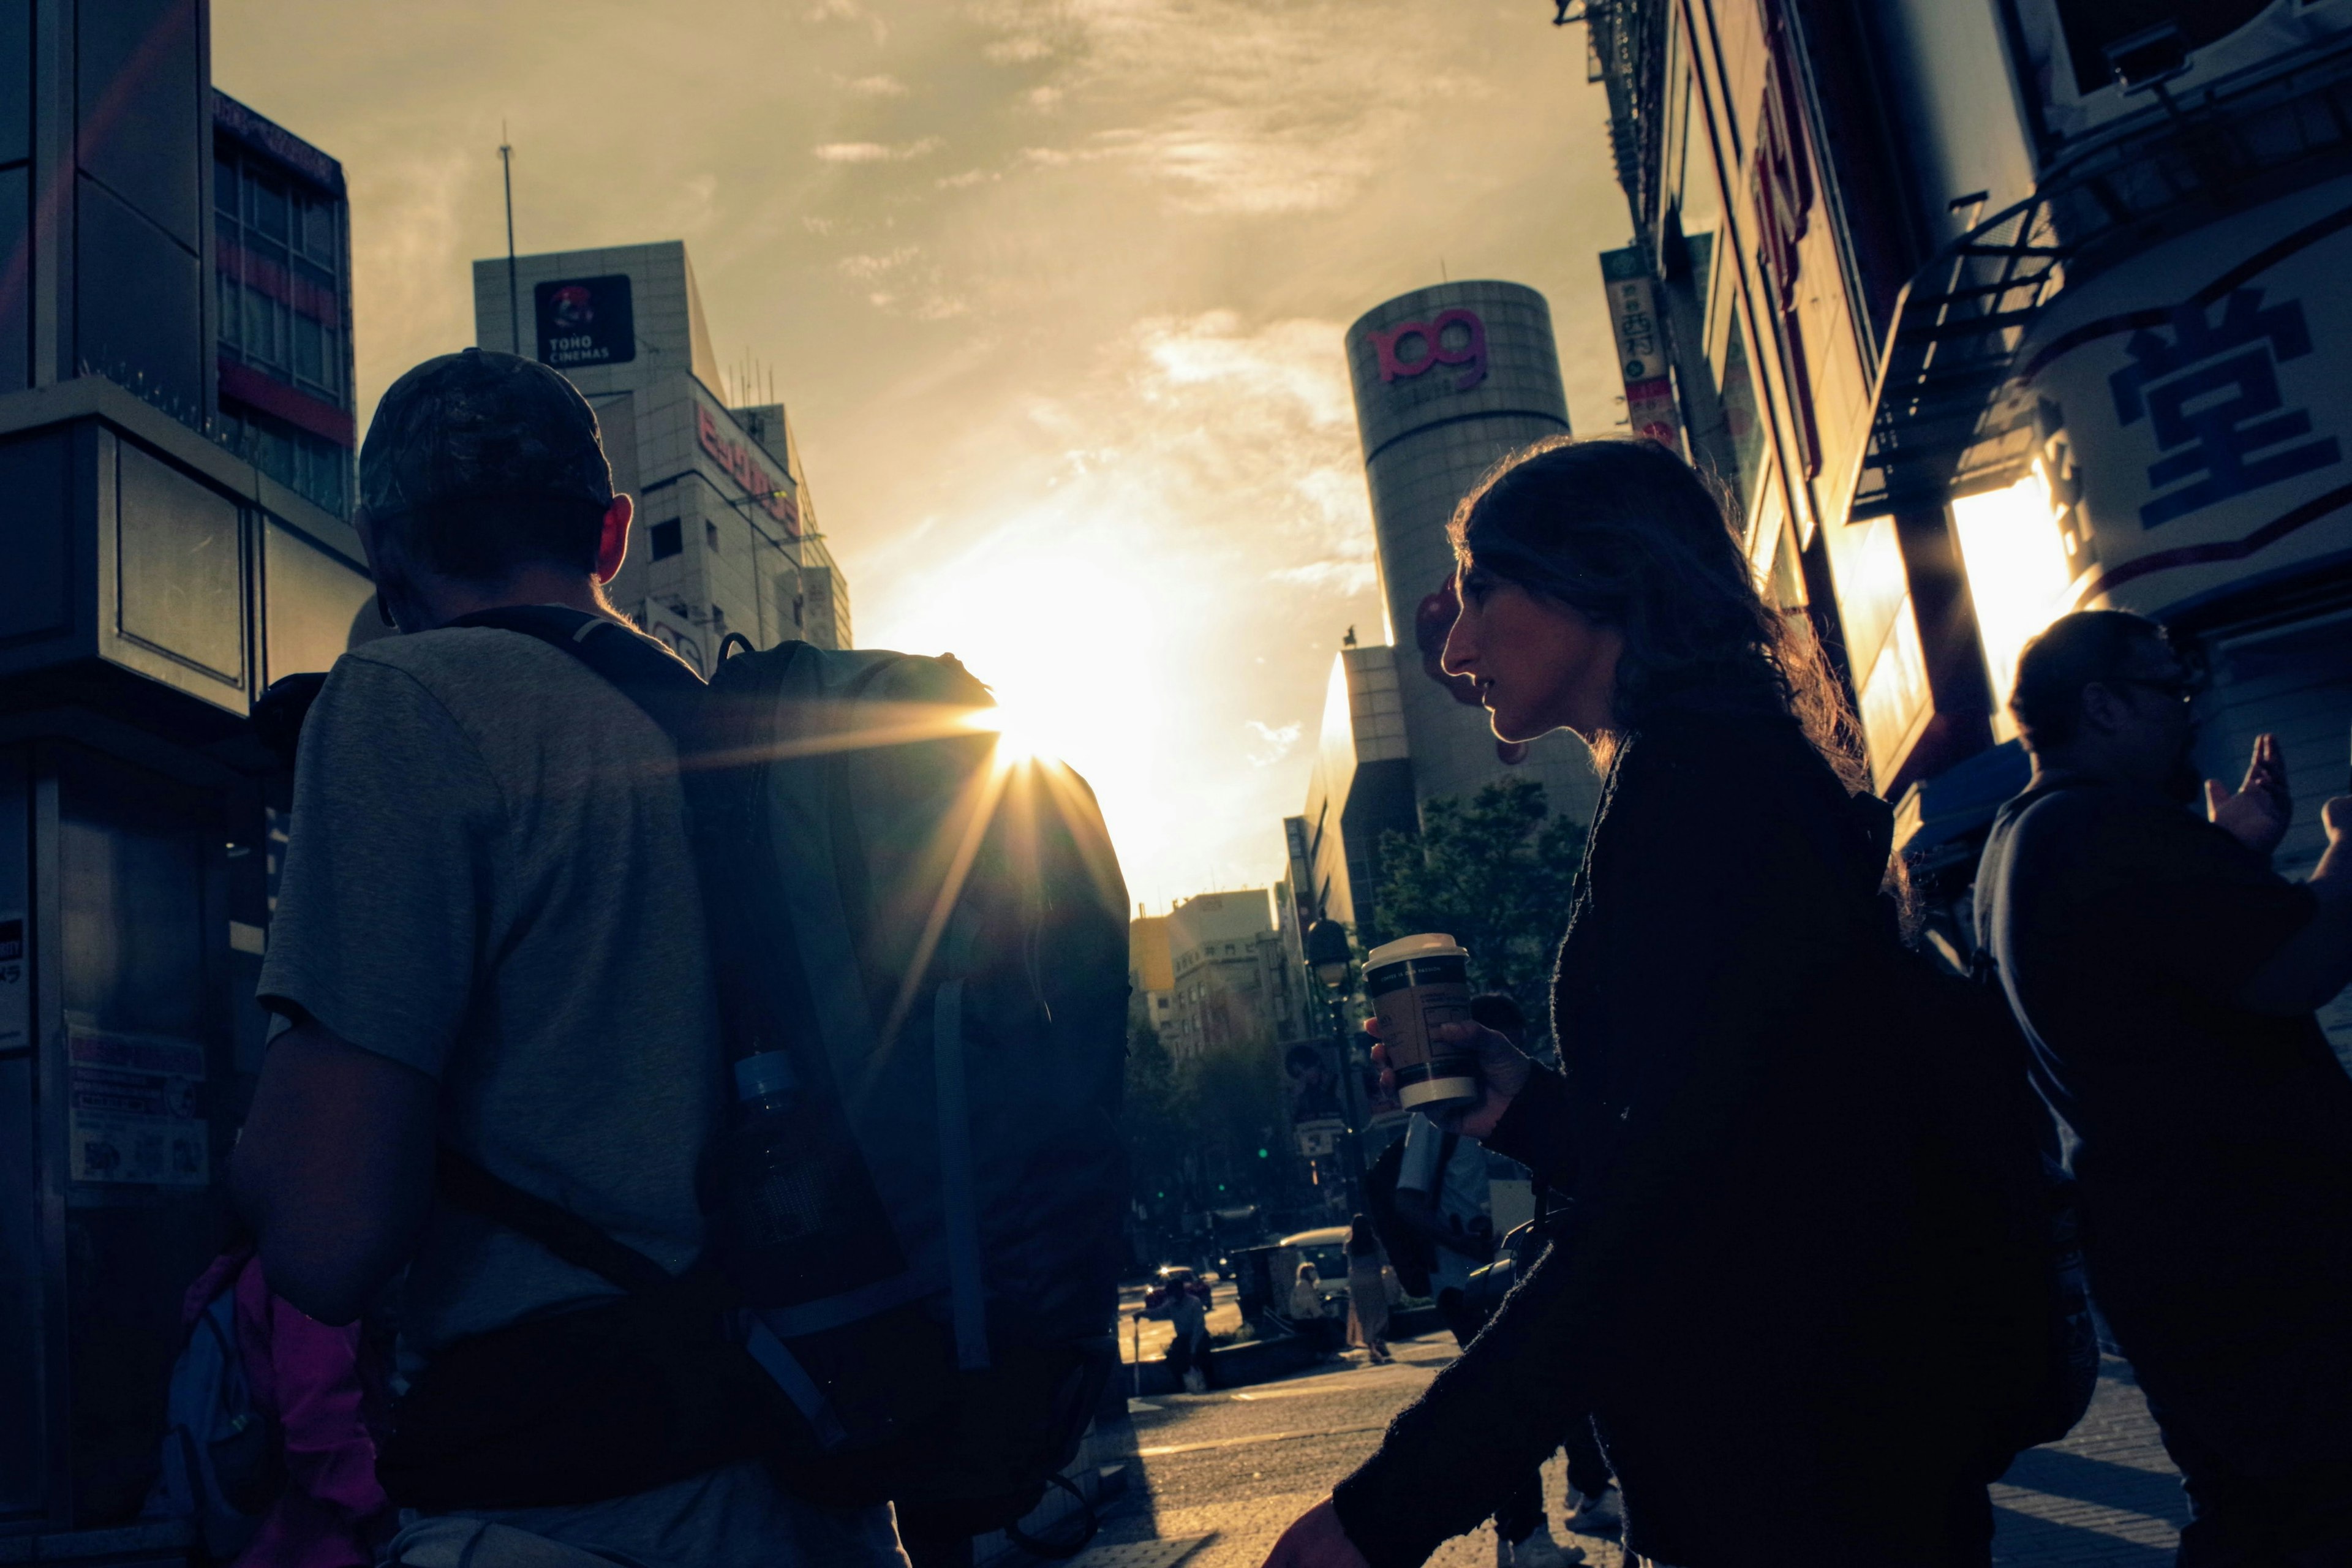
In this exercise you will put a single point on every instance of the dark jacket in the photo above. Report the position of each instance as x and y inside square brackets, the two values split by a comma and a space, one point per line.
[1739, 1297]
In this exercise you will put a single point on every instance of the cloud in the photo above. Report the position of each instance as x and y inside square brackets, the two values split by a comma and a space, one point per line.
[1335, 579]
[903, 288]
[868, 267]
[1277, 741]
[1235, 106]
[877, 87]
[850, 11]
[875, 151]
[1017, 50]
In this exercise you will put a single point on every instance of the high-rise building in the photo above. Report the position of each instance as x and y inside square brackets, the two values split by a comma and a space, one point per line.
[1362, 789]
[1448, 379]
[726, 539]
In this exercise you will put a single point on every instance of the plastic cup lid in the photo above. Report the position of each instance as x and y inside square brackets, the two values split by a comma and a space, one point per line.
[1428, 944]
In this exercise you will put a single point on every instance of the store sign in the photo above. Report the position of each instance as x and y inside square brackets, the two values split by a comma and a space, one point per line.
[1641, 348]
[2190, 410]
[586, 321]
[736, 459]
[1455, 338]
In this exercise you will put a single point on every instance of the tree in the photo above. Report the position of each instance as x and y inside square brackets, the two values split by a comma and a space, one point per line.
[1154, 1120]
[1497, 874]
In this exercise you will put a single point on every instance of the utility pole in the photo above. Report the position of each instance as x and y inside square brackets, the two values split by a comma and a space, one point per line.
[514, 295]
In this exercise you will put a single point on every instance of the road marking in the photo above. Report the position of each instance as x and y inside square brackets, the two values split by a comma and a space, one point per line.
[1259, 1437]
[1329, 1383]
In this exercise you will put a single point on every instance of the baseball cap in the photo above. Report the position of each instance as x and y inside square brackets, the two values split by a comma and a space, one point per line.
[481, 426]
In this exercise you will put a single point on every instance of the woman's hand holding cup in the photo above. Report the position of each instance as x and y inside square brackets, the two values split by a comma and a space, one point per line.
[1502, 1070]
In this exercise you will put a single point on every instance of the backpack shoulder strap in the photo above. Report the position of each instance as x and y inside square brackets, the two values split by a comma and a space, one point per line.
[466, 1184]
[649, 674]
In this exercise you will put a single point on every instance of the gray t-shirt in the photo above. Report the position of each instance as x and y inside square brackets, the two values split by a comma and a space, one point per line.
[488, 880]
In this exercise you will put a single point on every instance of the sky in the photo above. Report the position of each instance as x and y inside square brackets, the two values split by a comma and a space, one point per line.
[1053, 289]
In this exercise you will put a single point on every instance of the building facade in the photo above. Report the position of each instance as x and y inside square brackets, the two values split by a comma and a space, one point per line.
[1994, 310]
[1150, 974]
[1233, 982]
[282, 269]
[162, 570]
[1361, 790]
[726, 539]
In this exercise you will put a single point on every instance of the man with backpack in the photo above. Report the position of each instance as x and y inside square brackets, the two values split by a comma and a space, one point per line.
[488, 954]
[2166, 979]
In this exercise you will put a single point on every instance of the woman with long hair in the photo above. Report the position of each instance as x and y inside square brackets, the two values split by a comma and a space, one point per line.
[1742, 1293]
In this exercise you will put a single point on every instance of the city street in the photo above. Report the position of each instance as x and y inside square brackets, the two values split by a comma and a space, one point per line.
[1236, 1466]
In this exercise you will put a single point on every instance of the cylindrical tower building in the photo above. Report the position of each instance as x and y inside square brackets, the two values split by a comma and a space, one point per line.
[1448, 379]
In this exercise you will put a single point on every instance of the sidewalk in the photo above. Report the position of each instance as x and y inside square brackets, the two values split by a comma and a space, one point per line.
[2105, 1497]
[1217, 1483]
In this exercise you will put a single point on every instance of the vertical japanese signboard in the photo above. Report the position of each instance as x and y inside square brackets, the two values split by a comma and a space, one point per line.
[1641, 348]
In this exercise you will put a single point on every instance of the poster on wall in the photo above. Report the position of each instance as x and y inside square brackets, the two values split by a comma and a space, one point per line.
[585, 320]
[133, 1109]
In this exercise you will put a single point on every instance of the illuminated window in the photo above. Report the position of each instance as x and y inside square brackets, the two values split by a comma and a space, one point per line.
[2018, 574]
[1895, 697]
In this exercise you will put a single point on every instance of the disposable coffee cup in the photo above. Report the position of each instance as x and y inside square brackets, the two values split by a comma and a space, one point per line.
[1417, 983]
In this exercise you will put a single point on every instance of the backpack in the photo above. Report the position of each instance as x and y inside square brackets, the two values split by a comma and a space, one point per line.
[933, 952]
[2001, 1211]
[224, 1456]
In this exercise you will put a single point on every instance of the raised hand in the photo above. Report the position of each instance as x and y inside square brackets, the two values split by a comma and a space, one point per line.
[2255, 814]
[1502, 1070]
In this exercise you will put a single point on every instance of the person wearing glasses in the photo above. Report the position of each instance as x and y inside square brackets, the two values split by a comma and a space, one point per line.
[2167, 980]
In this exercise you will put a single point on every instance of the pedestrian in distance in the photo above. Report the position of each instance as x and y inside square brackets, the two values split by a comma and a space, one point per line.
[1307, 1295]
[1184, 1296]
[1368, 1292]
[2166, 978]
[1746, 1299]
[488, 935]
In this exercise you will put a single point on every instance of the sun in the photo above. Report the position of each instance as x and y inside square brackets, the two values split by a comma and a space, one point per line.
[1020, 738]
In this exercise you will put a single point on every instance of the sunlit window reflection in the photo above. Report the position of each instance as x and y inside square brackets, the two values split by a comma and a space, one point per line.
[2018, 574]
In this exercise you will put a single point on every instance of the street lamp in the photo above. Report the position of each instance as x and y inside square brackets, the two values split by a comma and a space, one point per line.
[1330, 956]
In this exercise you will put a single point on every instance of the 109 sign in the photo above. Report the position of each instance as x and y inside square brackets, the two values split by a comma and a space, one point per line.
[1454, 337]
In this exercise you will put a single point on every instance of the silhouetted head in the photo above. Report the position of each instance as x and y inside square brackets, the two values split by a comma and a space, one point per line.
[2103, 691]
